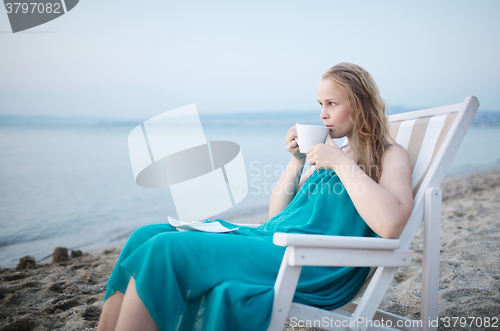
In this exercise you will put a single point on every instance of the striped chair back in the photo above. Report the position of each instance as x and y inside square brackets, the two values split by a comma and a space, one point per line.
[422, 137]
[432, 137]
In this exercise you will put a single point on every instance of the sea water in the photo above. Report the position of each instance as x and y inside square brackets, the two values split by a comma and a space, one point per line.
[73, 186]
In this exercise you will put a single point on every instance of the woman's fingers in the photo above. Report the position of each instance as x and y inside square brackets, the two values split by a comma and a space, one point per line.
[292, 146]
[291, 143]
[316, 155]
[291, 135]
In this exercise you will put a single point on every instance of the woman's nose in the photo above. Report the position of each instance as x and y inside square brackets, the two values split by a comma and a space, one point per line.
[323, 115]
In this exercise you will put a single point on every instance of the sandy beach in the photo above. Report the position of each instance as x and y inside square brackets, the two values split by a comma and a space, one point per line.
[68, 295]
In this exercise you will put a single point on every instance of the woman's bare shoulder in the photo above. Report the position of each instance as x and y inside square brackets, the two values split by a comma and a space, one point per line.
[396, 163]
[395, 151]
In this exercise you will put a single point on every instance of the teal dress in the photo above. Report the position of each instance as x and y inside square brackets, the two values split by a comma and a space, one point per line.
[214, 281]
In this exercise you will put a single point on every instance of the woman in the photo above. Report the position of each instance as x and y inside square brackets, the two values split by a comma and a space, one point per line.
[191, 280]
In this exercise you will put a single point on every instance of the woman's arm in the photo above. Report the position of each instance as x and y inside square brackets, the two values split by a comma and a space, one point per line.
[384, 206]
[288, 184]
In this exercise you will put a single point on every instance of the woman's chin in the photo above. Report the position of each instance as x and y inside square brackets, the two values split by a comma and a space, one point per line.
[334, 135]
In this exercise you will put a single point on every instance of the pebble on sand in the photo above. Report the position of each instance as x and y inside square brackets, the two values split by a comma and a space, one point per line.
[76, 253]
[60, 255]
[26, 262]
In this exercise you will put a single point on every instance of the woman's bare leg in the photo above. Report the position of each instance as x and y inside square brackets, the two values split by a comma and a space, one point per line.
[110, 312]
[133, 314]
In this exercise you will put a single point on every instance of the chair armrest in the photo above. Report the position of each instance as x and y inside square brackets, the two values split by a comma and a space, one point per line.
[313, 240]
[322, 250]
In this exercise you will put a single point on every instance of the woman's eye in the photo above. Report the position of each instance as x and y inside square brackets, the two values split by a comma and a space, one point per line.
[332, 103]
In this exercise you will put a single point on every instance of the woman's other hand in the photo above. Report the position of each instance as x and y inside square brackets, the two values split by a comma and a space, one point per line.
[325, 156]
[291, 144]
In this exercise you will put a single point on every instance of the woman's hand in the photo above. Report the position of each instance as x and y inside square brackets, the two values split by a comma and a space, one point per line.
[291, 143]
[324, 156]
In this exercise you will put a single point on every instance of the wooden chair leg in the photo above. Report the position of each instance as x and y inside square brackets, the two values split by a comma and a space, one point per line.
[284, 290]
[373, 296]
[430, 263]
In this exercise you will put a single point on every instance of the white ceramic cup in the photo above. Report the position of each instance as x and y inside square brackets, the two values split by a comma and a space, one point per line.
[310, 135]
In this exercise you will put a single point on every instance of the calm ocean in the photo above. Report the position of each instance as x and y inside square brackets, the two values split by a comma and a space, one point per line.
[71, 184]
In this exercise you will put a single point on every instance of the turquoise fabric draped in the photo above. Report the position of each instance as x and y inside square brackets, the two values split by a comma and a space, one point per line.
[224, 281]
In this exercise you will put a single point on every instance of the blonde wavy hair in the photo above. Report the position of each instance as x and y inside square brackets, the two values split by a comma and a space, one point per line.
[370, 136]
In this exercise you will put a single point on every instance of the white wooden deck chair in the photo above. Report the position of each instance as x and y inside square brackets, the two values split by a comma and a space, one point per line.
[432, 137]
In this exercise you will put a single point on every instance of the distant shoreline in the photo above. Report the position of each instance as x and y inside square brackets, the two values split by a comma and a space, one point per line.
[490, 118]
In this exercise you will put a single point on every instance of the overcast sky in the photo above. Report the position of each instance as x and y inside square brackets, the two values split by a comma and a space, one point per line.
[136, 59]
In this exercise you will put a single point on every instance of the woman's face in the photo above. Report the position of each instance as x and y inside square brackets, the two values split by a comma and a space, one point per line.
[335, 109]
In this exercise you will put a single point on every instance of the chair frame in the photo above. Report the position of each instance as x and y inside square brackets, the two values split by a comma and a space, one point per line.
[385, 254]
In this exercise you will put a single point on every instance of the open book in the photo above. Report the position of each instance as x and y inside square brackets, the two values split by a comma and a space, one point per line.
[204, 226]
